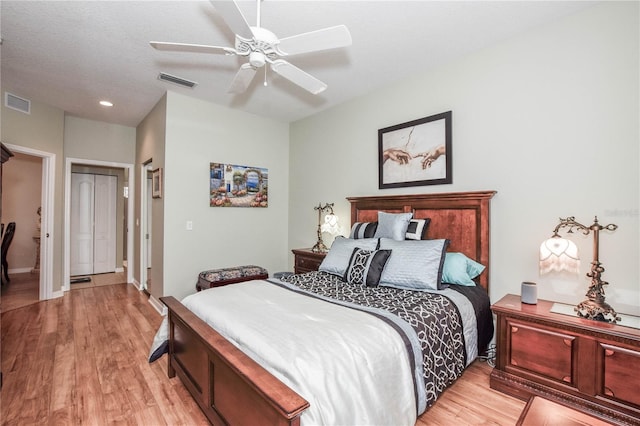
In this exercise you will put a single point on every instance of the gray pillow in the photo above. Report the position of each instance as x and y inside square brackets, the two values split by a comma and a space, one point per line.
[393, 225]
[363, 230]
[413, 265]
[337, 259]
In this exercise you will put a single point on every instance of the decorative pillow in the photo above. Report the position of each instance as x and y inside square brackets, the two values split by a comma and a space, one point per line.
[392, 225]
[417, 229]
[337, 259]
[366, 266]
[363, 230]
[459, 269]
[414, 265]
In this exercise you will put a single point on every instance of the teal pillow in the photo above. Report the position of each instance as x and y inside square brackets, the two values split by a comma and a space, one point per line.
[459, 269]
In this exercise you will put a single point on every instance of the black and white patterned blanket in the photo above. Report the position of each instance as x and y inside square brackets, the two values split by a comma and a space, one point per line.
[433, 316]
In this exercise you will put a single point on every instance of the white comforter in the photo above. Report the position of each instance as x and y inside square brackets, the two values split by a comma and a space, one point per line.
[352, 367]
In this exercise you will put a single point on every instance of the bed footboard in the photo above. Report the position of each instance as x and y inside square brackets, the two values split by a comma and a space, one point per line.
[229, 387]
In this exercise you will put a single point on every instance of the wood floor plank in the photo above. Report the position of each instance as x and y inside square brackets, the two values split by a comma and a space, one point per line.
[82, 360]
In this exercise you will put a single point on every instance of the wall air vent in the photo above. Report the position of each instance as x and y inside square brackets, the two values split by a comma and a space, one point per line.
[176, 80]
[17, 103]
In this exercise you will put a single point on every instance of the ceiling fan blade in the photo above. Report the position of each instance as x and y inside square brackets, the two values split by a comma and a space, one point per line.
[233, 16]
[196, 48]
[327, 38]
[297, 76]
[242, 79]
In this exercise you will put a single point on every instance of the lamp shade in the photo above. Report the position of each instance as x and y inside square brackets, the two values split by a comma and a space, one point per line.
[331, 224]
[559, 254]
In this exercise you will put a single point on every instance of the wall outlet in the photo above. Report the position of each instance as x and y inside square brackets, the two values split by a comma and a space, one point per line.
[189, 225]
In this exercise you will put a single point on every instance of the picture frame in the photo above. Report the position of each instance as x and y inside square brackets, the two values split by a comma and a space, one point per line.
[156, 183]
[233, 185]
[416, 153]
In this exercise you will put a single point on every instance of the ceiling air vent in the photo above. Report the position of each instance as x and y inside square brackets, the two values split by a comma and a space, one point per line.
[17, 103]
[176, 80]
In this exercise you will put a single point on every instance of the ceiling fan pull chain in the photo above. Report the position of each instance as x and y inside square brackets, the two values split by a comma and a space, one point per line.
[265, 76]
[258, 19]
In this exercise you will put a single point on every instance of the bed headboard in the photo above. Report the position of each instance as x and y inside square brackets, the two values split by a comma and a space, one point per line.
[462, 217]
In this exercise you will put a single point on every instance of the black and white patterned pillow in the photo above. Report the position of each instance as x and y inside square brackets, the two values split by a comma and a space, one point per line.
[363, 230]
[417, 229]
[366, 266]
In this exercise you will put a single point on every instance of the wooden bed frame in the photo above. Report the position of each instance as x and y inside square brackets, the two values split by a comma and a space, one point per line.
[231, 388]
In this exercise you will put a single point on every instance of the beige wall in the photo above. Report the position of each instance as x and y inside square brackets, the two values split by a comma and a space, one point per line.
[21, 197]
[549, 119]
[199, 133]
[95, 140]
[42, 130]
[150, 146]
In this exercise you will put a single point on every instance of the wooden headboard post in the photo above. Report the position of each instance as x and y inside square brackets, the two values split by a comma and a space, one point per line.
[461, 217]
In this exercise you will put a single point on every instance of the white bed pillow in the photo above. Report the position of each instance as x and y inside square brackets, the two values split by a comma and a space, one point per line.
[393, 225]
[413, 265]
[337, 259]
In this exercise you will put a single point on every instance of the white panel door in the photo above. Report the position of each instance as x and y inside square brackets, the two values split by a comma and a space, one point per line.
[93, 224]
[82, 214]
[104, 229]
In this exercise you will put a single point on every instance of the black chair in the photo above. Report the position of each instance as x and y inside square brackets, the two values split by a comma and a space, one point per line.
[6, 242]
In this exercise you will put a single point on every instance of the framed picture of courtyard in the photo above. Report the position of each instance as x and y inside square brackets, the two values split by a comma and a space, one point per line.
[231, 185]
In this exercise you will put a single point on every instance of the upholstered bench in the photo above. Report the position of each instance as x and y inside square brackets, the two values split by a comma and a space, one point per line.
[224, 276]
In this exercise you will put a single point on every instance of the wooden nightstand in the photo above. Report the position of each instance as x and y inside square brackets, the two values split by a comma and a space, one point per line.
[306, 260]
[590, 365]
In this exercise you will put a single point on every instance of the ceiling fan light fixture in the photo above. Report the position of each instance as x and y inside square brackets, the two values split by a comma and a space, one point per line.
[257, 59]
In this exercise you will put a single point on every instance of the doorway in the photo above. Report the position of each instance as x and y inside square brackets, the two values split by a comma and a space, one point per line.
[146, 225]
[128, 193]
[45, 280]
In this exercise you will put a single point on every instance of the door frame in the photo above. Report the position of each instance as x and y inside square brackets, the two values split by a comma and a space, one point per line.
[144, 224]
[47, 201]
[66, 285]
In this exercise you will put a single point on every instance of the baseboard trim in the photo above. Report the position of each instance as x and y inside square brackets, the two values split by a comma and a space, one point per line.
[136, 284]
[119, 269]
[56, 294]
[19, 270]
[157, 305]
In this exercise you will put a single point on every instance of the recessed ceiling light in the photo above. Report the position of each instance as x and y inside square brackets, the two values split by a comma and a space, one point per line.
[106, 103]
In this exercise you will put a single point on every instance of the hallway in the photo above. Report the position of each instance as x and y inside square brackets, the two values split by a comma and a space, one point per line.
[23, 289]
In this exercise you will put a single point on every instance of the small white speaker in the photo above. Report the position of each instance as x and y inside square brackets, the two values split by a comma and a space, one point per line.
[529, 293]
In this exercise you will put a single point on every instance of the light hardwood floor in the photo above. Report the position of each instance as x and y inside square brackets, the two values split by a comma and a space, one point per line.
[82, 359]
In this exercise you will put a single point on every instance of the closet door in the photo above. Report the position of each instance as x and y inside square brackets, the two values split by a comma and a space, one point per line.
[82, 212]
[93, 224]
[104, 231]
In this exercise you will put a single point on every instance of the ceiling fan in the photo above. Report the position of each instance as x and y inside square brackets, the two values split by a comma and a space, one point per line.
[261, 46]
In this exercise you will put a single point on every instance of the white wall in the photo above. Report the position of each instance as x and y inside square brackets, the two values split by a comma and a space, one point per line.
[548, 119]
[198, 133]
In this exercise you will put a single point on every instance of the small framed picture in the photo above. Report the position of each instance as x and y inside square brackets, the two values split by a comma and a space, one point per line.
[156, 183]
[415, 153]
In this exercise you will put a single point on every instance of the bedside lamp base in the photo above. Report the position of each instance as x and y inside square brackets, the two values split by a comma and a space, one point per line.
[597, 311]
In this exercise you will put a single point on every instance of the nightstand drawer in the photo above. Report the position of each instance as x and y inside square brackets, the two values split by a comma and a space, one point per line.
[540, 351]
[307, 260]
[620, 376]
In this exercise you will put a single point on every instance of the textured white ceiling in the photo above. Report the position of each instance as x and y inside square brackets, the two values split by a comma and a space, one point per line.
[71, 54]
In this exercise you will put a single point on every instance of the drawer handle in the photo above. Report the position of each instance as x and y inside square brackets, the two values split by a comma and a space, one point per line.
[608, 392]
